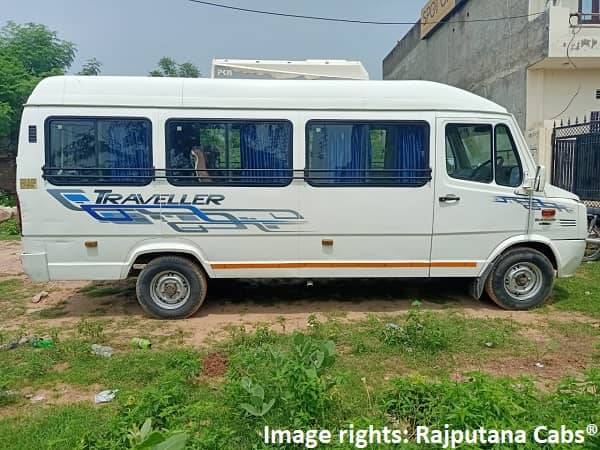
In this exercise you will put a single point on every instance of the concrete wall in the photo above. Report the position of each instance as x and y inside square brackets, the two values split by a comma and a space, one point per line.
[487, 58]
[551, 91]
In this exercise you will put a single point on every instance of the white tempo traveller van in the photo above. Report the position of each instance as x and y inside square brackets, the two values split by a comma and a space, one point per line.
[177, 181]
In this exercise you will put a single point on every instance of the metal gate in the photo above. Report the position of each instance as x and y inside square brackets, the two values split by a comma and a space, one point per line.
[576, 159]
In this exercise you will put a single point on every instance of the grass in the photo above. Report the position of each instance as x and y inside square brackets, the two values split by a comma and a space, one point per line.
[385, 370]
[581, 292]
[9, 230]
[14, 294]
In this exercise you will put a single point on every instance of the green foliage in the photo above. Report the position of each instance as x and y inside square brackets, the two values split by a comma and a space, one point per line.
[9, 227]
[91, 330]
[168, 67]
[91, 68]
[495, 403]
[147, 438]
[8, 200]
[580, 292]
[28, 53]
[286, 386]
[420, 331]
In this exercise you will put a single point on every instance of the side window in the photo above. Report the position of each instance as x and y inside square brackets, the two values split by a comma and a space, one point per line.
[508, 166]
[242, 153]
[98, 151]
[469, 152]
[367, 153]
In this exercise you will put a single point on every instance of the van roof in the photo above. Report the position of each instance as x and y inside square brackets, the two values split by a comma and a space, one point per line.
[255, 94]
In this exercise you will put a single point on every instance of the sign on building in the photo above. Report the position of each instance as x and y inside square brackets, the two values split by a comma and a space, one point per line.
[434, 12]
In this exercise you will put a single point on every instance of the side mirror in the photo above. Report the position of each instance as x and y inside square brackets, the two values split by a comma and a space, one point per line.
[540, 179]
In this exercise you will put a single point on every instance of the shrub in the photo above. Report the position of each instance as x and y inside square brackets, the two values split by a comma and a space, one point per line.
[288, 387]
[9, 227]
[420, 331]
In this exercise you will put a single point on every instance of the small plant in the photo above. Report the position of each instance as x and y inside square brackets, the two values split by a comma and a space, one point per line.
[90, 330]
[257, 406]
[313, 322]
[286, 386]
[8, 200]
[147, 438]
[9, 227]
[420, 331]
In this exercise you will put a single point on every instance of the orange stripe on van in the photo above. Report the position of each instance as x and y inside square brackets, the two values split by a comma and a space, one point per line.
[344, 265]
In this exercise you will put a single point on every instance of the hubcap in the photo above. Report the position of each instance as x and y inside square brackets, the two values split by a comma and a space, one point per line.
[169, 289]
[523, 281]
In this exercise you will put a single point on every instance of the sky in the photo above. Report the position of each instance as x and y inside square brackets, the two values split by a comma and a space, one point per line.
[130, 36]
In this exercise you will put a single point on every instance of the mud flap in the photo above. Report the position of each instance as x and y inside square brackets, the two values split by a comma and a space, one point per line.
[477, 285]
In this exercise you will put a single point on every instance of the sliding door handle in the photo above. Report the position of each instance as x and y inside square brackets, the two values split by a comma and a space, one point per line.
[450, 198]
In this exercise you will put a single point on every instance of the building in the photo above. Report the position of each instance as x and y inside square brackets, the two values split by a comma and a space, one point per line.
[311, 69]
[542, 64]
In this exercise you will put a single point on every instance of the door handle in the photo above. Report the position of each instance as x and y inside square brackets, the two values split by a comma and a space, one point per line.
[450, 198]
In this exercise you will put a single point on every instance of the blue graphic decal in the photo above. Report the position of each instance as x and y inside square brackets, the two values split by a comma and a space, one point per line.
[536, 203]
[182, 213]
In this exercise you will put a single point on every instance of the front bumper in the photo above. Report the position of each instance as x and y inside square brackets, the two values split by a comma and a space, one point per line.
[570, 254]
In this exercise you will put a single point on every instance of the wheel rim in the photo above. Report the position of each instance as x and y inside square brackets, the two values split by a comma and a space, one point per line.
[169, 289]
[523, 281]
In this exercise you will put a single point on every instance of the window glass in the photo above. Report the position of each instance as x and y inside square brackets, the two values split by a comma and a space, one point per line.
[229, 152]
[469, 152]
[368, 153]
[589, 10]
[99, 151]
[508, 166]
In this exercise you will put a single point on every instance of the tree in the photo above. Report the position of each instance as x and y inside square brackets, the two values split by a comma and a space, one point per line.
[28, 53]
[91, 67]
[168, 67]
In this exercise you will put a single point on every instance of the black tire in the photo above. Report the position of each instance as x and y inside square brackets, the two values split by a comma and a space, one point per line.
[171, 287]
[512, 275]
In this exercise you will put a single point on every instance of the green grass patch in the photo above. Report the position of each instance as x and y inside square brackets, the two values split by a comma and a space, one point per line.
[581, 292]
[26, 366]
[56, 428]
[335, 374]
[9, 230]
[13, 297]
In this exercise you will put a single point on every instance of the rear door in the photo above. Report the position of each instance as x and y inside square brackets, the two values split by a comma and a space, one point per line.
[475, 207]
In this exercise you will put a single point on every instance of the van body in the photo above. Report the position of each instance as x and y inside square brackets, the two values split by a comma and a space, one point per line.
[178, 181]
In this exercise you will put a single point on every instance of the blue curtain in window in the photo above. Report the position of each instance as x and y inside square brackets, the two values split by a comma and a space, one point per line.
[407, 156]
[264, 149]
[341, 152]
[128, 147]
[361, 154]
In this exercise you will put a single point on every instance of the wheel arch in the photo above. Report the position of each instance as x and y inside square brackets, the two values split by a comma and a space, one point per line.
[148, 250]
[540, 243]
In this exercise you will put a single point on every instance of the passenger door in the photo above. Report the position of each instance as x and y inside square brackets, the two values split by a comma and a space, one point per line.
[368, 197]
[475, 206]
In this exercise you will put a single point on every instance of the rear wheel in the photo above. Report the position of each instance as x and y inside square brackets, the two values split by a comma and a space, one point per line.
[522, 279]
[171, 287]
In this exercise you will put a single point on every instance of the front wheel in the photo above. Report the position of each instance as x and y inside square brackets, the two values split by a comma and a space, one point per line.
[522, 279]
[171, 287]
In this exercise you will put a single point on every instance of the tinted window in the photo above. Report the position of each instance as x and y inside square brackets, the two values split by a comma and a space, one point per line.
[368, 153]
[99, 151]
[469, 152]
[508, 166]
[241, 153]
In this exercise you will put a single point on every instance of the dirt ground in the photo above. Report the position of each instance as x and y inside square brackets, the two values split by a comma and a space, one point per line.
[285, 305]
